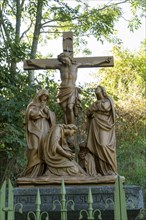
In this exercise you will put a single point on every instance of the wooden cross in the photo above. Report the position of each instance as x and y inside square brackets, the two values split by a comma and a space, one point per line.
[51, 63]
[68, 65]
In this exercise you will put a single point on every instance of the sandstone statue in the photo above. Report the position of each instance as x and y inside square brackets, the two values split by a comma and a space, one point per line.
[51, 155]
[38, 121]
[58, 156]
[68, 96]
[101, 141]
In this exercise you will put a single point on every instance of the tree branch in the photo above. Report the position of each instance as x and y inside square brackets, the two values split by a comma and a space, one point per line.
[22, 3]
[58, 26]
[82, 16]
[36, 35]
[3, 30]
[22, 35]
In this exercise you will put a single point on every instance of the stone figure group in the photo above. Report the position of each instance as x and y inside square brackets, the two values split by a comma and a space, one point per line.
[54, 150]
[50, 151]
[68, 96]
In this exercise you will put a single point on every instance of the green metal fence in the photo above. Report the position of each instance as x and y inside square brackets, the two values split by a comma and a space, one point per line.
[7, 208]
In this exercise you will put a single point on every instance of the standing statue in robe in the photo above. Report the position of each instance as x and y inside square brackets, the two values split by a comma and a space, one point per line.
[39, 120]
[101, 140]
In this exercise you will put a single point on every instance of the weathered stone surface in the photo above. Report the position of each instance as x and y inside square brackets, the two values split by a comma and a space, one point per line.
[43, 181]
[79, 194]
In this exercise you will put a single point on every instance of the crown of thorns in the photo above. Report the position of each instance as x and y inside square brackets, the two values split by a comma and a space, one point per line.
[63, 55]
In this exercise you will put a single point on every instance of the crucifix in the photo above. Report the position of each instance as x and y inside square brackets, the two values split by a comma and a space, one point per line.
[68, 65]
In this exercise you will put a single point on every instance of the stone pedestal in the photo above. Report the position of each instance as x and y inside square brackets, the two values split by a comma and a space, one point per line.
[102, 199]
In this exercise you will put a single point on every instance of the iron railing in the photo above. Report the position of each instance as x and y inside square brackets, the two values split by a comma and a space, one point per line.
[8, 209]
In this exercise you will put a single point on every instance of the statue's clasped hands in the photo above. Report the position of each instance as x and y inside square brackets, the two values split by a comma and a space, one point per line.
[70, 156]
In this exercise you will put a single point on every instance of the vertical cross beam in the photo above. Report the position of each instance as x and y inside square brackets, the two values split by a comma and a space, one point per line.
[68, 43]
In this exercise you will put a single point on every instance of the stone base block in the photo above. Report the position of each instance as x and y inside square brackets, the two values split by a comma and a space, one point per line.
[103, 195]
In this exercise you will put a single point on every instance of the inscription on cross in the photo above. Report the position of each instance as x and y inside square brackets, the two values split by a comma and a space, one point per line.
[68, 65]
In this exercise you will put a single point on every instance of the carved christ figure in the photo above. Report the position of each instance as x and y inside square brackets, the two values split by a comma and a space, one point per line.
[68, 95]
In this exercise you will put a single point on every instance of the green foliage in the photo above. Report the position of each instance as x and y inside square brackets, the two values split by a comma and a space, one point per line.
[126, 79]
[131, 158]
[99, 23]
[138, 5]
[87, 97]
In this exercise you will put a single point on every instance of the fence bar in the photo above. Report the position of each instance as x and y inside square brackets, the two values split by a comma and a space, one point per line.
[38, 204]
[63, 202]
[10, 201]
[2, 200]
[120, 212]
[90, 208]
[90, 213]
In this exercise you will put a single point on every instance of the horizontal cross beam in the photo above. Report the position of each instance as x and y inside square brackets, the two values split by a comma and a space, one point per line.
[49, 63]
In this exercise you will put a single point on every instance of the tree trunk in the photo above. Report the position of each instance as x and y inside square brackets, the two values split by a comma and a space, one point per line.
[17, 36]
[35, 38]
